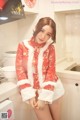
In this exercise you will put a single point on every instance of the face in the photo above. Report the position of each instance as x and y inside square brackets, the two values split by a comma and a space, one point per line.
[44, 35]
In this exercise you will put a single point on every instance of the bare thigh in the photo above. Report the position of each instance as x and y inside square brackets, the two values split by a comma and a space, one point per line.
[44, 114]
[55, 108]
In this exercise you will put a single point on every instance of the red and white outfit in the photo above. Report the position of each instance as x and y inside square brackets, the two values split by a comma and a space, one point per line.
[35, 68]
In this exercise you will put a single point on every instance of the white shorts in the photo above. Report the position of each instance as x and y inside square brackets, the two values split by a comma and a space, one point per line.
[59, 90]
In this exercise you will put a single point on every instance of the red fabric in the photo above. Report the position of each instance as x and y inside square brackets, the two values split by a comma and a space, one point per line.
[2, 3]
[48, 67]
[30, 3]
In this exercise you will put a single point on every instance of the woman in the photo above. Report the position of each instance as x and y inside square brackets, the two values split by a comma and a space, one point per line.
[35, 68]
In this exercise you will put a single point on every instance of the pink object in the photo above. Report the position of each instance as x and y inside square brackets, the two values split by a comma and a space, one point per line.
[9, 113]
[2, 3]
[30, 3]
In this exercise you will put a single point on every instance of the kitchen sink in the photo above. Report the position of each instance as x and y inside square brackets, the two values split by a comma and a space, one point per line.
[75, 68]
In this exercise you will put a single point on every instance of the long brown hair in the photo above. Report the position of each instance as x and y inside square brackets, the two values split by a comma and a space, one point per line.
[46, 21]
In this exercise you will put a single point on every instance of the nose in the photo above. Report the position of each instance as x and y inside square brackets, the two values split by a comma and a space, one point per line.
[43, 35]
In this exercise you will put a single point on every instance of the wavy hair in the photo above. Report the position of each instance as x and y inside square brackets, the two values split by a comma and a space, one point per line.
[46, 21]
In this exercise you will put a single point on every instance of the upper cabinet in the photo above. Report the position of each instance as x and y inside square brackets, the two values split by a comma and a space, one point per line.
[30, 6]
[66, 5]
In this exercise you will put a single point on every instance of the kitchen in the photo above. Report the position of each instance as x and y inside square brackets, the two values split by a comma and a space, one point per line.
[67, 50]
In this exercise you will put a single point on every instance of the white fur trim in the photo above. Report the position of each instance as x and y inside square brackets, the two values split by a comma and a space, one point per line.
[57, 93]
[59, 90]
[46, 95]
[23, 81]
[40, 61]
[27, 44]
[30, 59]
[27, 93]
[49, 83]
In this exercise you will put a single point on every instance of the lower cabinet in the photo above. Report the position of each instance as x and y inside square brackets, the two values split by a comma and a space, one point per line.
[71, 100]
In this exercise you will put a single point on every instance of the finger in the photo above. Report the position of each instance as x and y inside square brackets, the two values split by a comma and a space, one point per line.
[32, 104]
[37, 107]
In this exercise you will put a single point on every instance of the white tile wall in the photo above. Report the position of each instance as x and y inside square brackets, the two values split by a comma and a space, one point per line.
[68, 35]
[8, 37]
[73, 36]
[60, 35]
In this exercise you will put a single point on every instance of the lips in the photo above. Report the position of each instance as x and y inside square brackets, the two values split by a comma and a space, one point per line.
[41, 40]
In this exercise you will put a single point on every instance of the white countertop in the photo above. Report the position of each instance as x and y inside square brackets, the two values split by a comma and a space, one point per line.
[7, 89]
[63, 65]
[62, 69]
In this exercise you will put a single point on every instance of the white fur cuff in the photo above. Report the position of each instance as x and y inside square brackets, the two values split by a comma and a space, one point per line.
[46, 95]
[27, 93]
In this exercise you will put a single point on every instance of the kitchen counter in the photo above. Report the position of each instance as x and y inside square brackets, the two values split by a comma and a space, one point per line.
[64, 64]
[63, 70]
[71, 83]
[7, 89]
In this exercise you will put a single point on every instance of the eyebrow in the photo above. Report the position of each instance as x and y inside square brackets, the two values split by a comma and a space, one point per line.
[48, 32]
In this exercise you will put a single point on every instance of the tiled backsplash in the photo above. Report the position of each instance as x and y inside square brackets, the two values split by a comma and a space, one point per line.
[73, 36]
[8, 37]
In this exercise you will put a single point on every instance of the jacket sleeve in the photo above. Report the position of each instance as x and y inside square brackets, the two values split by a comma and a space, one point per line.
[26, 89]
[48, 86]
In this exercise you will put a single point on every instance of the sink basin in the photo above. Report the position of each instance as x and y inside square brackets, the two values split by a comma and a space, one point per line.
[76, 68]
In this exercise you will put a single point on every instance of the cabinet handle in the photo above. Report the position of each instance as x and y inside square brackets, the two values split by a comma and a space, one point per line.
[76, 84]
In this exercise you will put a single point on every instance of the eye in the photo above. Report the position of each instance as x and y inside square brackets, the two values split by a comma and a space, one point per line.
[42, 30]
[49, 35]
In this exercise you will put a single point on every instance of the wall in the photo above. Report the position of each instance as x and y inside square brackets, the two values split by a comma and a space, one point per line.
[68, 43]
[8, 37]
[73, 36]
[68, 35]
[60, 35]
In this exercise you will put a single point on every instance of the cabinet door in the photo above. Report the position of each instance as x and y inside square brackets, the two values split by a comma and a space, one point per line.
[30, 6]
[71, 102]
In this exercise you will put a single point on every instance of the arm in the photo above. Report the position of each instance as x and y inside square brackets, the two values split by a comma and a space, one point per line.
[48, 86]
[27, 91]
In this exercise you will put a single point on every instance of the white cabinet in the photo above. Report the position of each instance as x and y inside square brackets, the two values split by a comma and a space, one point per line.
[6, 106]
[71, 100]
[30, 6]
[65, 5]
[6, 110]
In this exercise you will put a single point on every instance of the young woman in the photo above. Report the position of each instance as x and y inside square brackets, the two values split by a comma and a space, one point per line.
[35, 68]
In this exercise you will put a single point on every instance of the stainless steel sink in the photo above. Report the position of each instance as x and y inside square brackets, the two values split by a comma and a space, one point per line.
[75, 68]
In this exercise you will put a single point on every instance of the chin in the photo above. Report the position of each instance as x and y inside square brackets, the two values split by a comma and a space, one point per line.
[40, 42]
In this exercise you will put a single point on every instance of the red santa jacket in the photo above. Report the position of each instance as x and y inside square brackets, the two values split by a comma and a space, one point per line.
[35, 68]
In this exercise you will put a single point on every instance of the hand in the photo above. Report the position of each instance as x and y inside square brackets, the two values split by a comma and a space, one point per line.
[40, 104]
[33, 102]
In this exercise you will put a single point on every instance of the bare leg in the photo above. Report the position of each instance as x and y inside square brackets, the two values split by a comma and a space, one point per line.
[55, 108]
[44, 114]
